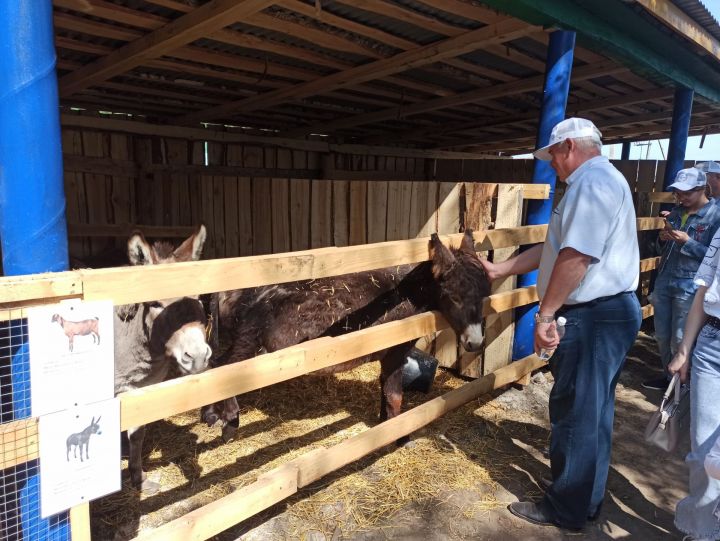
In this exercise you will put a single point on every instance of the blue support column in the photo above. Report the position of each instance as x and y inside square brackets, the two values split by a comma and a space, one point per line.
[682, 109]
[555, 93]
[625, 152]
[33, 231]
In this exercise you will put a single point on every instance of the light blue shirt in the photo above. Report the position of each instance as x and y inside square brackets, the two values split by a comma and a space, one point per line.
[596, 217]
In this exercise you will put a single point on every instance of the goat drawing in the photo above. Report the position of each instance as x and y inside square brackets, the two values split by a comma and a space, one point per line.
[78, 328]
[82, 439]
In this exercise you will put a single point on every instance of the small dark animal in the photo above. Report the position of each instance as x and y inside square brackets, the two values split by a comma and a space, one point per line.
[78, 328]
[82, 439]
[269, 318]
[152, 338]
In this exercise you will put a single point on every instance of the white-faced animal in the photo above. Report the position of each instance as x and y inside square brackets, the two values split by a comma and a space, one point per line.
[153, 338]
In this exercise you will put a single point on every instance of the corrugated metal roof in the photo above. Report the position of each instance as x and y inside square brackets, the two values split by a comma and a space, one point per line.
[700, 13]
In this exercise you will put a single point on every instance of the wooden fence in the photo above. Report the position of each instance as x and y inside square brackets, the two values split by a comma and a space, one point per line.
[136, 284]
[256, 200]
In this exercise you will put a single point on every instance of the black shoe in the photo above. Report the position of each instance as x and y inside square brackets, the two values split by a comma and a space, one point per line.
[532, 512]
[546, 483]
[658, 384]
[537, 513]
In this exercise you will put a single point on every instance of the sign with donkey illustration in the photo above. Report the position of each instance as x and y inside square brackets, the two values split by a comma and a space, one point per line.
[79, 455]
[71, 354]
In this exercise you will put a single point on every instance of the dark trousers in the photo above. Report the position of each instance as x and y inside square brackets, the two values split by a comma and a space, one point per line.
[586, 367]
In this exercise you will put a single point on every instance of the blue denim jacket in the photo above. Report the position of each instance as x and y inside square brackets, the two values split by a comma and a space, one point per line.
[679, 264]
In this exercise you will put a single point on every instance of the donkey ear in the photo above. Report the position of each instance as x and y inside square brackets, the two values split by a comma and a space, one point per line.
[98, 420]
[92, 421]
[191, 248]
[442, 258]
[139, 250]
[467, 245]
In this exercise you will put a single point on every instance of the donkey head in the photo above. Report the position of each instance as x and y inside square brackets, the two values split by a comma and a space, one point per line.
[95, 425]
[463, 286]
[176, 326]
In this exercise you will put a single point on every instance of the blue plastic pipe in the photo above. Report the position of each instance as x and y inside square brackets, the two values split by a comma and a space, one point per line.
[32, 201]
[682, 109]
[33, 233]
[555, 93]
[625, 152]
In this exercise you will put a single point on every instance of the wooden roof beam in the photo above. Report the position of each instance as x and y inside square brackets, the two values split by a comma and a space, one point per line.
[606, 124]
[497, 91]
[201, 134]
[503, 31]
[573, 109]
[675, 18]
[186, 29]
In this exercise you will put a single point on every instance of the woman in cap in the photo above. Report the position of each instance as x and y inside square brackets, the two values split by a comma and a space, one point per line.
[689, 228]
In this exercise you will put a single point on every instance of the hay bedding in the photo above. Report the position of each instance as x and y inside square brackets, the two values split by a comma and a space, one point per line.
[287, 420]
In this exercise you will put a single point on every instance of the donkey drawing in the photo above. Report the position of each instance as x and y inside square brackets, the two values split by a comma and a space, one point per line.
[82, 439]
[269, 318]
[78, 328]
[152, 338]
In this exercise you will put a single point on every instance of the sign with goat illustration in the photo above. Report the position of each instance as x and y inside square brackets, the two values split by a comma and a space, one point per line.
[71, 354]
[79, 455]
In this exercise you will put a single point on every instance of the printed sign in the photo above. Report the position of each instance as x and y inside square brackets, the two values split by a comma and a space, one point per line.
[71, 355]
[79, 455]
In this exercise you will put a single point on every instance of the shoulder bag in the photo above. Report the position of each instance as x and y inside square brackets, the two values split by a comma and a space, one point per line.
[671, 421]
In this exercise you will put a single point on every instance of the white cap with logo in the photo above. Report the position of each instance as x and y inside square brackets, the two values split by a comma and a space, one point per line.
[689, 179]
[708, 167]
[570, 128]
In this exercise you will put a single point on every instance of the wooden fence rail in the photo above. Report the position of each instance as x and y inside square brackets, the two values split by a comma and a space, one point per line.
[137, 284]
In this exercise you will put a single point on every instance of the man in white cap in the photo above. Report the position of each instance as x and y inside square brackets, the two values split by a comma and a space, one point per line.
[588, 272]
[712, 171]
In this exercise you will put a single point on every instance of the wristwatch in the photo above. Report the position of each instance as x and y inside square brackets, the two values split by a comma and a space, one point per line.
[543, 319]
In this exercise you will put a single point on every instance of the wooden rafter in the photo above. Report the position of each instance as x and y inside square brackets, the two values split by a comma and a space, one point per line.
[672, 16]
[515, 87]
[186, 29]
[572, 110]
[611, 127]
[505, 30]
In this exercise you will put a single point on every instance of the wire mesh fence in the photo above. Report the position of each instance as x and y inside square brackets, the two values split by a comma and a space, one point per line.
[20, 518]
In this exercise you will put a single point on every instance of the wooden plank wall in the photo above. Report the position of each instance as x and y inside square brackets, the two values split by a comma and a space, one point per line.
[256, 200]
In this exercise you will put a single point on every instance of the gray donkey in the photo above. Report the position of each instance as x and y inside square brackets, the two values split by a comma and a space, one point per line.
[153, 338]
[82, 439]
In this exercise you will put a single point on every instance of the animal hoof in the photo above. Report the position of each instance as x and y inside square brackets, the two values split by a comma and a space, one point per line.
[211, 418]
[229, 433]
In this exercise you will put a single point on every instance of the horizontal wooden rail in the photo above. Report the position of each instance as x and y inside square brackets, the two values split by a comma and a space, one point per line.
[649, 264]
[125, 230]
[125, 285]
[278, 484]
[168, 398]
[661, 197]
[19, 442]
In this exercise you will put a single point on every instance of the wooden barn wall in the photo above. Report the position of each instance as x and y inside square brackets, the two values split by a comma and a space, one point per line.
[258, 200]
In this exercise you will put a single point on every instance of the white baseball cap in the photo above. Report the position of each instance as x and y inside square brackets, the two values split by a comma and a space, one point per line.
[689, 179]
[708, 167]
[570, 128]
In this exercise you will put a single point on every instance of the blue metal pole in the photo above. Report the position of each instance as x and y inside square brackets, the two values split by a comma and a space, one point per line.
[682, 109]
[625, 152]
[32, 201]
[555, 92]
[33, 233]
